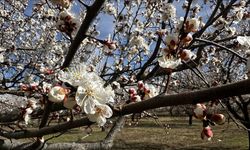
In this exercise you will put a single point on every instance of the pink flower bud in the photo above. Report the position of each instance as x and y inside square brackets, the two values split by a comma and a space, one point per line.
[34, 86]
[207, 133]
[48, 71]
[146, 90]
[132, 91]
[187, 55]
[135, 98]
[24, 87]
[218, 119]
[140, 85]
[186, 40]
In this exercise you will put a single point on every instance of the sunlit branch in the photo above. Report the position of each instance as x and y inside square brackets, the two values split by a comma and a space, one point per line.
[204, 95]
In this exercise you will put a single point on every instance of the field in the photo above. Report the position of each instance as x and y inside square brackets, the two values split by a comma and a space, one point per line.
[166, 133]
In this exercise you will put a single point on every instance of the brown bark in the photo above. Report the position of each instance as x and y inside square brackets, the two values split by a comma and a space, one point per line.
[205, 95]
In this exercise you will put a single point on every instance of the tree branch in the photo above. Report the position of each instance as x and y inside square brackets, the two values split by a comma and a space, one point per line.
[205, 95]
[223, 47]
[92, 12]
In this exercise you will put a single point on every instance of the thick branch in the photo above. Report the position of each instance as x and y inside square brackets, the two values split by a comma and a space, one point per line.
[46, 130]
[205, 95]
[16, 145]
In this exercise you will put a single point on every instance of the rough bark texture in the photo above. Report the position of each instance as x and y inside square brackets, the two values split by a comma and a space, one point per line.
[107, 143]
[205, 95]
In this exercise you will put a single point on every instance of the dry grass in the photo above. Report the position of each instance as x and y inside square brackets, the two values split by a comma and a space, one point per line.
[178, 135]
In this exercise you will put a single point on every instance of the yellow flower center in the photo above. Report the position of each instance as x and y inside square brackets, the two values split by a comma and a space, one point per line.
[77, 75]
[89, 92]
[98, 110]
[60, 91]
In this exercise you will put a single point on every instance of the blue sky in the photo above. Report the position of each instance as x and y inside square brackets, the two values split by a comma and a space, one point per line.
[28, 10]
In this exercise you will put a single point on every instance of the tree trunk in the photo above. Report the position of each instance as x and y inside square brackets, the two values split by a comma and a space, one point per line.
[190, 120]
[248, 138]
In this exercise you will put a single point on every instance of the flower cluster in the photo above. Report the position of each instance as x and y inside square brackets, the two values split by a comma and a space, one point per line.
[67, 23]
[244, 41]
[191, 25]
[138, 41]
[201, 113]
[143, 92]
[168, 11]
[109, 46]
[62, 3]
[89, 90]
[174, 52]
[29, 87]
[57, 94]
[109, 9]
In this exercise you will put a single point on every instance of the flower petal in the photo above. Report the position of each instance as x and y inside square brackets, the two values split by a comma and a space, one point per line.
[80, 96]
[89, 106]
[101, 120]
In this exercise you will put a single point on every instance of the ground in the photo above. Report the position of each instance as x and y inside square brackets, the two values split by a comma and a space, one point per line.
[166, 133]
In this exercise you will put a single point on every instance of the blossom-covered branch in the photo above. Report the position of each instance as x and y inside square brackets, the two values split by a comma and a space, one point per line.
[205, 95]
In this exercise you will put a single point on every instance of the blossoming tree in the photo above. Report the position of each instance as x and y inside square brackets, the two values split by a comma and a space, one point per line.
[107, 59]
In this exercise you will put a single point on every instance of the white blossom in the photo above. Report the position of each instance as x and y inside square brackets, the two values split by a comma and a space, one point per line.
[192, 25]
[90, 92]
[244, 40]
[138, 41]
[46, 87]
[150, 91]
[109, 9]
[26, 115]
[63, 3]
[67, 23]
[187, 55]
[169, 62]
[168, 11]
[100, 113]
[74, 75]
[90, 87]
[57, 94]
[199, 111]
[172, 41]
